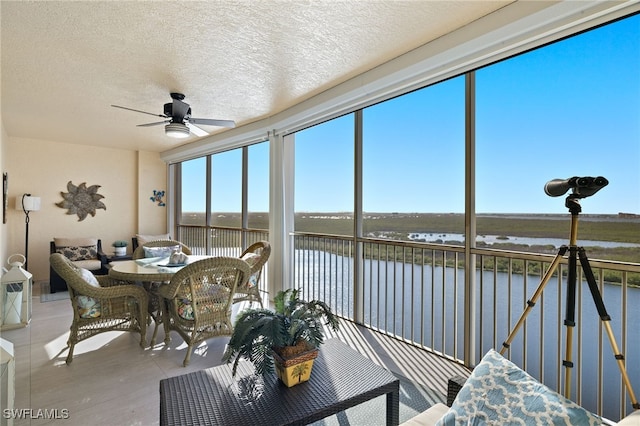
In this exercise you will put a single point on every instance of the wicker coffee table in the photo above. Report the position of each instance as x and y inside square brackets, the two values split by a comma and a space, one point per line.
[341, 378]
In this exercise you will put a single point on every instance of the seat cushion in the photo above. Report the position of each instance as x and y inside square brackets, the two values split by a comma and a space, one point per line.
[213, 301]
[428, 417]
[92, 265]
[631, 419]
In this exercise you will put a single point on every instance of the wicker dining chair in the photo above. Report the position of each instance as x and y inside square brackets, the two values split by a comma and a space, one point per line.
[199, 297]
[256, 255]
[139, 252]
[100, 304]
[155, 310]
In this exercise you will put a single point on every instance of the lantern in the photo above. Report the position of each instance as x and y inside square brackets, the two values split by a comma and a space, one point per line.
[15, 306]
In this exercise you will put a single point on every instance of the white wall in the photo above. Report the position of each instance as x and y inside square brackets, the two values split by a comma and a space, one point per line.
[43, 168]
[152, 175]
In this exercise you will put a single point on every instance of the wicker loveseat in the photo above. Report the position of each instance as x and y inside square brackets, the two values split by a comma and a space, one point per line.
[498, 392]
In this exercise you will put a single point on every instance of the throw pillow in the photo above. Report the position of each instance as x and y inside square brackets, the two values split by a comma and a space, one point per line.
[88, 307]
[160, 251]
[74, 253]
[88, 276]
[498, 392]
[252, 259]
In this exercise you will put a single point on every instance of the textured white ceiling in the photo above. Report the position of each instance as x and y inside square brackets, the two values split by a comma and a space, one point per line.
[64, 63]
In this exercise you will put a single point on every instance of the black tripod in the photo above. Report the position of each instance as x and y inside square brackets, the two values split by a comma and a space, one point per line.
[582, 187]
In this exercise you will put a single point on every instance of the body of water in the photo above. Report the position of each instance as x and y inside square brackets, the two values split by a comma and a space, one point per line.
[426, 304]
[530, 241]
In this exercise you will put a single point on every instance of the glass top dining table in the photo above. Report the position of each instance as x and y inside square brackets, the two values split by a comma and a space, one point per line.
[150, 272]
[148, 269]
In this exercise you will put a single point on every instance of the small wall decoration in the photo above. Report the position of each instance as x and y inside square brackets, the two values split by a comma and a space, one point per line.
[81, 200]
[157, 198]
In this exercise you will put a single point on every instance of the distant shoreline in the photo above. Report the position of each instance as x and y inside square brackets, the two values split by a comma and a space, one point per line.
[399, 227]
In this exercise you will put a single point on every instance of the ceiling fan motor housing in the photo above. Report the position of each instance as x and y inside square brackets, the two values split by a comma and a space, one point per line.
[180, 123]
[168, 109]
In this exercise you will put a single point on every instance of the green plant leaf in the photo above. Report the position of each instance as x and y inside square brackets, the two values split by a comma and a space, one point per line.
[258, 331]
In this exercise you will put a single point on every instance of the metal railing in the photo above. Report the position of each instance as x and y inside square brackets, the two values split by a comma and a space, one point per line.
[415, 292]
[221, 241]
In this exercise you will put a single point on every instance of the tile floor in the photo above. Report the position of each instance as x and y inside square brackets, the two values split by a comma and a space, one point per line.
[113, 381]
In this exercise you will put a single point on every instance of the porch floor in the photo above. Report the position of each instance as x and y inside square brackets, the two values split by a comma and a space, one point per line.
[113, 381]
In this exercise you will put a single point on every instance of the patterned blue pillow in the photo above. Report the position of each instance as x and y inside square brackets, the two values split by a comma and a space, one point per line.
[160, 251]
[498, 392]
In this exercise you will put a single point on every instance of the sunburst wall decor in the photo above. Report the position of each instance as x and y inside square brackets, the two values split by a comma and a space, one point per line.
[81, 200]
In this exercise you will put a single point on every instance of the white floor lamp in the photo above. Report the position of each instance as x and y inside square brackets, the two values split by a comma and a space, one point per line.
[27, 204]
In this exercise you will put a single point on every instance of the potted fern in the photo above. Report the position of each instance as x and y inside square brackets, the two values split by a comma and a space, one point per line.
[288, 337]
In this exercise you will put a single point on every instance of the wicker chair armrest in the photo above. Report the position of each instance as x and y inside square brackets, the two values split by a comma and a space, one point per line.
[108, 281]
[110, 291]
[265, 251]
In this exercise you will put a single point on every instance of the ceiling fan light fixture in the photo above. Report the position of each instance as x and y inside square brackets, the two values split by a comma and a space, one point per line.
[176, 130]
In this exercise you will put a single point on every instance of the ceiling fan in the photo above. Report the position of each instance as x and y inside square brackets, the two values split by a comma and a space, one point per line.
[179, 123]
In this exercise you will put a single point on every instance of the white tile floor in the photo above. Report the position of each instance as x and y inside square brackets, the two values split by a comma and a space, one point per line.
[113, 381]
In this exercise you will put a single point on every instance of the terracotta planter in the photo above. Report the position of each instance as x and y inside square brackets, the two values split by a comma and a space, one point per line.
[297, 369]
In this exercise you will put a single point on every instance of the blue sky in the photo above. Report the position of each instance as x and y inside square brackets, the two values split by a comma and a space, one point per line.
[568, 109]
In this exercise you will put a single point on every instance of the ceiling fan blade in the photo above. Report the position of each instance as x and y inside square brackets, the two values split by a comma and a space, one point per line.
[196, 130]
[212, 122]
[157, 123]
[137, 110]
[179, 110]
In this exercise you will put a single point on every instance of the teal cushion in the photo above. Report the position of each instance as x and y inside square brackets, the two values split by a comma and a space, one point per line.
[498, 392]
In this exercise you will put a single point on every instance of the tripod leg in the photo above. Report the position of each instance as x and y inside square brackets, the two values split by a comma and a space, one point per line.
[569, 320]
[606, 321]
[532, 302]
